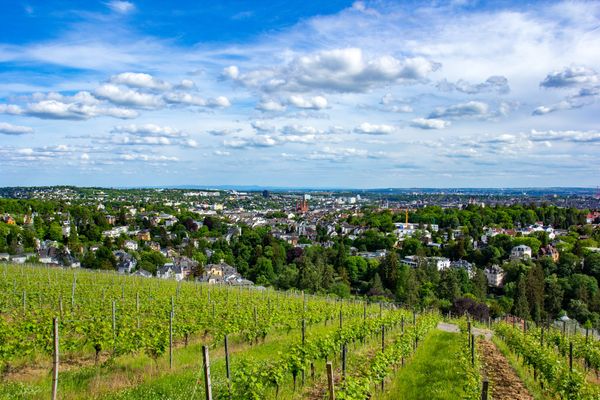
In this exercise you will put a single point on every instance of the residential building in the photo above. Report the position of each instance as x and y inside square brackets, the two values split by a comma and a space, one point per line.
[494, 275]
[520, 252]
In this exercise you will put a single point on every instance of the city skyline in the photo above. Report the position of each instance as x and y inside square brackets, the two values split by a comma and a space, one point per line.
[347, 94]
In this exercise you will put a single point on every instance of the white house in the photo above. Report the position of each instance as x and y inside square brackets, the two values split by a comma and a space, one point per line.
[464, 264]
[440, 262]
[494, 275]
[521, 251]
[170, 271]
[131, 245]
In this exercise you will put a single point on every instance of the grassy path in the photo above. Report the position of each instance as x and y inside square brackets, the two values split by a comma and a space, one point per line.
[432, 373]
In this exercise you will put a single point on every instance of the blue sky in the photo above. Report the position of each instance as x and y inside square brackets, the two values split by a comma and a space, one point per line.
[322, 94]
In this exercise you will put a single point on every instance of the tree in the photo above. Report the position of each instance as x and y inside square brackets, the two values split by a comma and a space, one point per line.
[553, 296]
[591, 265]
[449, 287]
[479, 284]
[340, 289]
[475, 309]
[389, 270]
[377, 288]
[567, 264]
[521, 307]
[535, 292]
[263, 271]
[55, 232]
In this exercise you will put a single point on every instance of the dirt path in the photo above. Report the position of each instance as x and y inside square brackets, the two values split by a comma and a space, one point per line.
[446, 327]
[452, 328]
[504, 382]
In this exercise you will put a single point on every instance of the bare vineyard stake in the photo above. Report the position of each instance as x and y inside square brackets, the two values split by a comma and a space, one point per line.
[56, 358]
[571, 356]
[206, 365]
[473, 349]
[73, 291]
[344, 354]
[171, 340]
[227, 360]
[330, 381]
[24, 301]
[484, 390]
[303, 331]
[114, 324]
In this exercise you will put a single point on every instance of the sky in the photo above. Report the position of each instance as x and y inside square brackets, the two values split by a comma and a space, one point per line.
[363, 94]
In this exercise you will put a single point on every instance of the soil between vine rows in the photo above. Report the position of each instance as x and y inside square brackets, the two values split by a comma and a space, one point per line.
[504, 382]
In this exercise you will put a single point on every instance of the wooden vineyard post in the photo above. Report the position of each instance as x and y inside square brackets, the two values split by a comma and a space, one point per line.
[330, 381]
[473, 349]
[344, 353]
[227, 370]
[114, 324]
[382, 350]
[73, 291]
[303, 331]
[484, 389]
[571, 356]
[206, 366]
[380, 309]
[55, 361]
[587, 334]
[303, 341]
[24, 301]
[171, 340]
[341, 323]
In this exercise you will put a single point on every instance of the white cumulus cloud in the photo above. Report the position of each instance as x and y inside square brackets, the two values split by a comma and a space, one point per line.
[14, 130]
[429, 123]
[374, 129]
[313, 103]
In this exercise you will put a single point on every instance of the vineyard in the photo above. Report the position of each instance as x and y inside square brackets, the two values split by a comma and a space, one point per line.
[75, 332]
[564, 366]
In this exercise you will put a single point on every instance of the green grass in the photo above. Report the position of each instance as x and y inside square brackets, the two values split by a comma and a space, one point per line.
[522, 371]
[433, 372]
